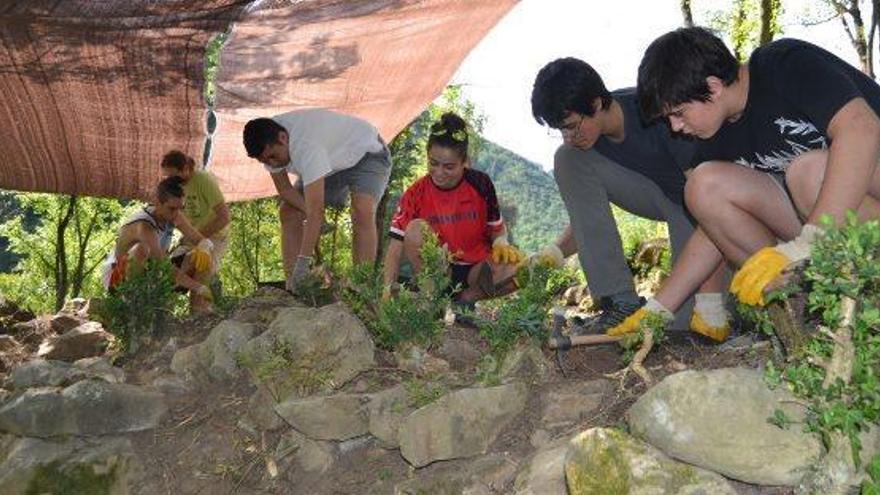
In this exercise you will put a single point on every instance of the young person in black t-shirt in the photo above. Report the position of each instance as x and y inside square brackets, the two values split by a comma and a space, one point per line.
[788, 137]
[608, 156]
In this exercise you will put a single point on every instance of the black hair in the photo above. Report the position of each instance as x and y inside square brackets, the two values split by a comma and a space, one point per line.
[259, 133]
[177, 160]
[450, 132]
[567, 85]
[169, 187]
[675, 66]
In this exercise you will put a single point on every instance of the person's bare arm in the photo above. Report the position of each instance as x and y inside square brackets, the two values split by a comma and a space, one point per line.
[566, 243]
[314, 208]
[852, 160]
[190, 233]
[221, 220]
[287, 192]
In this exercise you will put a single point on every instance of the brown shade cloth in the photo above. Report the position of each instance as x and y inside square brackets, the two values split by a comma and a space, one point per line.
[382, 60]
[93, 93]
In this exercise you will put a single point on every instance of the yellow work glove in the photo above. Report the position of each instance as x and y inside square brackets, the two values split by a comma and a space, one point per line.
[632, 322]
[504, 253]
[710, 317]
[201, 255]
[550, 256]
[768, 263]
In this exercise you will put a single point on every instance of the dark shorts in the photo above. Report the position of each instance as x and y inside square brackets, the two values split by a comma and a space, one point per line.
[459, 276]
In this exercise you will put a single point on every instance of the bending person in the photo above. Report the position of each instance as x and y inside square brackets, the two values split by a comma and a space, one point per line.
[459, 205]
[609, 157]
[330, 156]
[784, 139]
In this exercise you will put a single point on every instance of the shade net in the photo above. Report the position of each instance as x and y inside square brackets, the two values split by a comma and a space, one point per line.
[92, 94]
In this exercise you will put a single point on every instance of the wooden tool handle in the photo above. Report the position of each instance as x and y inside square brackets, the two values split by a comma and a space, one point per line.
[577, 340]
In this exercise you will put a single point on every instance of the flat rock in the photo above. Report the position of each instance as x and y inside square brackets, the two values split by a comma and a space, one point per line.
[87, 340]
[574, 401]
[51, 373]
[334, 417]
[88, 407]
[387, 409]
[216, 356]
[462, 423]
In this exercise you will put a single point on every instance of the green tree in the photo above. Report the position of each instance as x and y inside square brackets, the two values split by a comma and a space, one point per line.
[60, 254]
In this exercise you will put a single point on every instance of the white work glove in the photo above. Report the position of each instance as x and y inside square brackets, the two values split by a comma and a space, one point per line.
[550, 256]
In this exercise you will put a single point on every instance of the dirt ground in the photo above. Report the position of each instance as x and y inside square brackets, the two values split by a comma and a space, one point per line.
[204, 447]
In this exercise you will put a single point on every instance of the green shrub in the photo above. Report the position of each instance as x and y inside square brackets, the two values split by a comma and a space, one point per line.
[137, 307]
[412, 316]
[526, 312]
[845, 263]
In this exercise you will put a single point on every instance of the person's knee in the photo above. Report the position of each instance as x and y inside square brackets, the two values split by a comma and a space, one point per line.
[705, 187]
[139, 253]
[566, 161]
[804, 177]
[414, 234]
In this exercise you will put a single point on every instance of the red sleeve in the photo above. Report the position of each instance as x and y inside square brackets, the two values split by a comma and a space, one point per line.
[407, 210]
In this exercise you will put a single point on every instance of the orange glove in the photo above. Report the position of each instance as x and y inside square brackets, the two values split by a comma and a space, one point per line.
[710, 317]
[201, 255]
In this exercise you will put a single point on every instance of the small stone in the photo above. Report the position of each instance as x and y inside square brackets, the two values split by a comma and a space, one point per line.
[87, 340]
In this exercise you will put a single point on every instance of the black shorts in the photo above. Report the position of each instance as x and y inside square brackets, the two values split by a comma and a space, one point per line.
[459, 277]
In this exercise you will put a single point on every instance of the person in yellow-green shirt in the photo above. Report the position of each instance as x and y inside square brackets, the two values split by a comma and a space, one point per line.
[205, 206]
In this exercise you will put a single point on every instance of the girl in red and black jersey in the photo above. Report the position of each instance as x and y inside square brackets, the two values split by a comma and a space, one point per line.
[459, 204]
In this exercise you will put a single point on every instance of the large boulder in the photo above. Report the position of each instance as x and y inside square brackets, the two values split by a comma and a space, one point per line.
[77, 465]
[216, 356]
[603, 461]
[88, 407]
[460, 424]
[335, 417]
[49, 373]
[87, 340]
[309, 349]
[718, 420]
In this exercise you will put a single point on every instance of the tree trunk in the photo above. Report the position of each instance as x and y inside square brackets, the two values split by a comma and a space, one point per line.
[61, 279]
[687, 14]
[769, 20]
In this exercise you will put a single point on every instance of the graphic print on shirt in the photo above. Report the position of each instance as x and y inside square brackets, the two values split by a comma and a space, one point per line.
[809, 138]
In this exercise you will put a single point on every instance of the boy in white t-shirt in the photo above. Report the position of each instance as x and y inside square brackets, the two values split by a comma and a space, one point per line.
[331, 156]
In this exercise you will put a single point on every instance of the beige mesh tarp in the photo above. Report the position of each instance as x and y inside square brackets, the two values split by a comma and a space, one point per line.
[92, 93]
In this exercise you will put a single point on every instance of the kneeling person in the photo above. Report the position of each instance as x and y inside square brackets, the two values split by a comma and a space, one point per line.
[147, 235]
[459, 204]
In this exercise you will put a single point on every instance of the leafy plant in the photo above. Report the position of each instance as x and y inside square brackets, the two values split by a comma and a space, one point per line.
[839, 375]
[138, 305]
[412, 316]
[871, 486]
[526, 312]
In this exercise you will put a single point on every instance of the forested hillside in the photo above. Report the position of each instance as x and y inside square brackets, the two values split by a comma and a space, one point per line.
[528, 195]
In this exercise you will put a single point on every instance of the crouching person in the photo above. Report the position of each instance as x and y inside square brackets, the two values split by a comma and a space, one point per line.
[147, 235]
[459, 205]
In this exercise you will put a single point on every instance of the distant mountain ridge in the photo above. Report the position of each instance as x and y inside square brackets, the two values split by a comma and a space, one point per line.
[523, 185]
